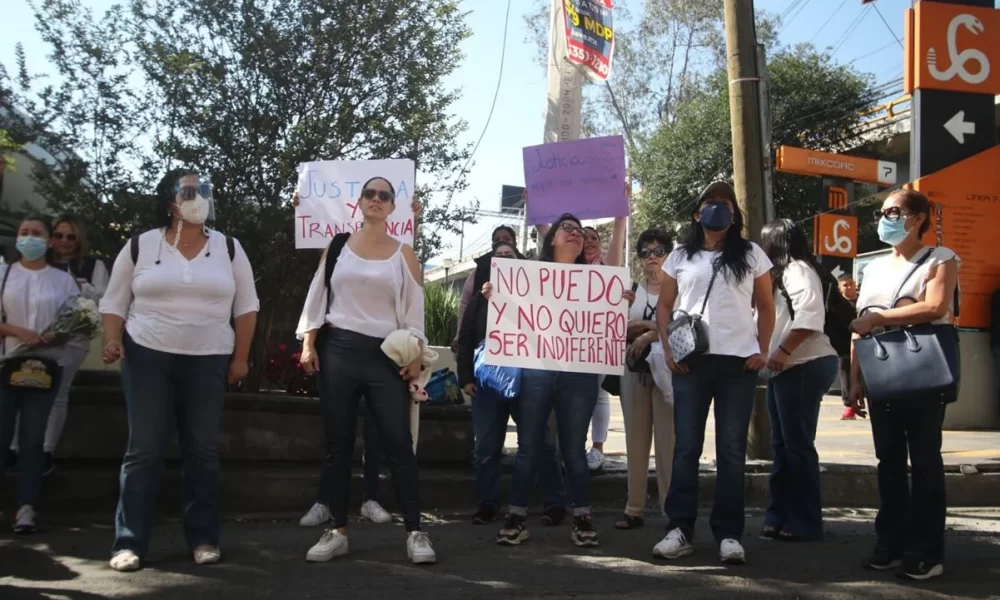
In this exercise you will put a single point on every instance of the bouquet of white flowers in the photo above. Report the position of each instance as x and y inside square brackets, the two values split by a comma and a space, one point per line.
[77, 318]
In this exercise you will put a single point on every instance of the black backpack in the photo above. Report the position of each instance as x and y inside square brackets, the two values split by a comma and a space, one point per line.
[839, 314]
[134, 248]
[332, 255]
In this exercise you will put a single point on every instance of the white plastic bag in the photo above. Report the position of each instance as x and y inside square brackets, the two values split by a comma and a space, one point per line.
[662, 376]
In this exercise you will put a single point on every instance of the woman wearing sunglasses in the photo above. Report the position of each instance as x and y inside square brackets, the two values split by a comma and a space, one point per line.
[69, 253]
[648, 414]
[375, 289]
[173, 293]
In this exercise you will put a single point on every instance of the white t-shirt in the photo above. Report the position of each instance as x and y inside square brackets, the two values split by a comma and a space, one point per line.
[181, 306]
[370, 297]
[729, 317]
[644, 306]
[883, 275]
[805, 290]
[32, 299]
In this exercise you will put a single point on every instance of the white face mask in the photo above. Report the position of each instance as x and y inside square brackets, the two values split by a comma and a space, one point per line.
[194, 211]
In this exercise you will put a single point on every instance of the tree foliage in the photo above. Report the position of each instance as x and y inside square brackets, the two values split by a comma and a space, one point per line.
[244, 91]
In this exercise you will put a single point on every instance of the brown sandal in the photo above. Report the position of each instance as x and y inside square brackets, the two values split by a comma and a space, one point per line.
[630, 522]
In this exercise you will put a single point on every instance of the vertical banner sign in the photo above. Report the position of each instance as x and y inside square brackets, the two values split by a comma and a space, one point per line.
[329, 194]
[590, 36]
[563, 120]
[584, 177]
[557, 317]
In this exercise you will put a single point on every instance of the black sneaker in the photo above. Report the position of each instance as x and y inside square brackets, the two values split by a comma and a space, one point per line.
[49, 465]
[484, 516]
[584, 533]
[882, 560]
[920, 570]
[11, 459]
[514, 532]
[553, 516]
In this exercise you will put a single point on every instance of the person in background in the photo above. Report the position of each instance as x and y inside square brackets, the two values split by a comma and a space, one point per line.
[69, 253]
[849, 290]
[727, 373]
[503, 233]
[803, 364]
[180, 312]
[31, 293]
[490, 412]
[572, 396]
[648, 414]
[995, 338]
[910, 525]
[375, 290]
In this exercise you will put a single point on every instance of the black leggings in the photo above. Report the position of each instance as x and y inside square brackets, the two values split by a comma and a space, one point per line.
[353, 365]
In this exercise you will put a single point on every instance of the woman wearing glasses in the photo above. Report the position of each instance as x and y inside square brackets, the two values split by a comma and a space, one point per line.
[69, 253]
[167, 312]
[648, 414]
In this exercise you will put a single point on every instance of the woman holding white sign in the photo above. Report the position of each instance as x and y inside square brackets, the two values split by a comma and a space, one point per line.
[374, 289]
[714, 348]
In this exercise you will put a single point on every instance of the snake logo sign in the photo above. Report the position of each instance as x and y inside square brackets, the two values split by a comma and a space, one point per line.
[954, 48]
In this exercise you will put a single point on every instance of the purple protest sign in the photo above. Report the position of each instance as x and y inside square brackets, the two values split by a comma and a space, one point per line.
[583, 177]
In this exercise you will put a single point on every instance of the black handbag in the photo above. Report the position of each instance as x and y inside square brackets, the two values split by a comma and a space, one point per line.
[912, 363]
[332, 256]
[25, 373]
[687, 334]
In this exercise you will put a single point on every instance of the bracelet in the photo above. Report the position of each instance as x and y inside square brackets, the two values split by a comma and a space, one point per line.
[783, 349]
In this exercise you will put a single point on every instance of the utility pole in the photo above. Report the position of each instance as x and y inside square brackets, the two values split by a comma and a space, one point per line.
[748, 164]
[765, 133]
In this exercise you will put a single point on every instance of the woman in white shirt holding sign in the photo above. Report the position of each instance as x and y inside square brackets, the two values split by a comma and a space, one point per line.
[804, 365]
[167, 312]
[721, 276]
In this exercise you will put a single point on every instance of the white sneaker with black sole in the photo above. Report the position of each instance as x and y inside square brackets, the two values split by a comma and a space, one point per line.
[330, 546]
[374, 512]
[673, 546]
[317, 515]
[419, 549]
[731, 552]
[24, 521]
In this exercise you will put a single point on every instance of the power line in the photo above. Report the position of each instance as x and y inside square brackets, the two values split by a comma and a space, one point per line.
[801, 9]
[850, 28]
[827, 22]
[854, 60]
[898, 41]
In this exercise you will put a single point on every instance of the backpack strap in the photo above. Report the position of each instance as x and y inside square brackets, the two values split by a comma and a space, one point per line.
[134, 249]
[3, 312]
[231, 247]
[332, 255]
[788, 299]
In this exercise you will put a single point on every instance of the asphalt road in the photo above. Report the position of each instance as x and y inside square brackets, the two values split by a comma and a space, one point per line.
[264, 558]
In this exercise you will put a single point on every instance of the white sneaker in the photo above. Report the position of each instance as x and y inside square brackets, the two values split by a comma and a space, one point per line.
[374, 512]
[673, 546]
[595, 459]
[330, 546]
[317, 515]
[731, 552]
[24, 521]
[419, 549]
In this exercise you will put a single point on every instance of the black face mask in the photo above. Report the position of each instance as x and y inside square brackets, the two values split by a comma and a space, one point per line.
[716, 217]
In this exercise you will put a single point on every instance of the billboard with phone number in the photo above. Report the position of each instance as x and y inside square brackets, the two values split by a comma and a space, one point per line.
[590, 36]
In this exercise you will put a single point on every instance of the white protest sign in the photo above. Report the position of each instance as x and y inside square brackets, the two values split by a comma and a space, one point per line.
[329, 191]
[557, 317]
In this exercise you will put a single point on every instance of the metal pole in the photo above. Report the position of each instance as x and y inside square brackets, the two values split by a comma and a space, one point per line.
[765, 134]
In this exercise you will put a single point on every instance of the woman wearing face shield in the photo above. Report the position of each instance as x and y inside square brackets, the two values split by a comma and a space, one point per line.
[167, 311]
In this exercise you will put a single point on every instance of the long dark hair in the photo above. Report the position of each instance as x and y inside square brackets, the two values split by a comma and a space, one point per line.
[546, 252]
[784, 242]
[47, 226]
[166, 195]
[735, 256]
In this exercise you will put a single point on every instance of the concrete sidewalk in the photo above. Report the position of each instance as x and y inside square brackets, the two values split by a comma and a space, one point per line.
[264, 559]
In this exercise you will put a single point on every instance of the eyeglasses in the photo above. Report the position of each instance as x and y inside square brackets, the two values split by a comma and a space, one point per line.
[570, 227]
[891, 214]
[190, 192]
[370, 194]
[645, 253]
[71, 237]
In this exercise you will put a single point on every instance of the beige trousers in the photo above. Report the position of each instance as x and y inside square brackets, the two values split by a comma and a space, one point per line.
[649, 420]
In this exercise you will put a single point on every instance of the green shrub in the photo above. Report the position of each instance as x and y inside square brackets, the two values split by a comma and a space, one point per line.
[440, 314]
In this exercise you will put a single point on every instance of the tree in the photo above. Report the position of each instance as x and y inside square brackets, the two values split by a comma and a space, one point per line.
[244, 90]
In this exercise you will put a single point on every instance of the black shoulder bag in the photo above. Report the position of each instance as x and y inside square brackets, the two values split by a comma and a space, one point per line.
[687, 334]
[332, 255]
[25, 372]
[911, 363]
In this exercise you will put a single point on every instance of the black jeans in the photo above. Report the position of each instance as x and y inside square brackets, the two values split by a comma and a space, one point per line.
[845, 378]
[372, 459]
[352, 366]
[910, 523]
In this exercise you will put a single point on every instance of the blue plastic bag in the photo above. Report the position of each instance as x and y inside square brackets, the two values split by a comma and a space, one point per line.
[442, 388]
[505, 381]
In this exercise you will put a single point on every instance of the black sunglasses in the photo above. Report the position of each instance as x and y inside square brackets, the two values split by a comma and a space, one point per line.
[645, 253]
[370, 194]
[570, 227]
[64, 236]
[891, 214]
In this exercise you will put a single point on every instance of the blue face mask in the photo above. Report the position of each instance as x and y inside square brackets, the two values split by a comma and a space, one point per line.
[30, 247]
[716, 217]
[892, 232]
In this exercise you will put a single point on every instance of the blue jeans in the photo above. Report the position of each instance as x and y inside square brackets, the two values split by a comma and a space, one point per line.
[793, 400]
[164, 391]
[573, 396]
[33, 408]
[724, 379]
[490, 413]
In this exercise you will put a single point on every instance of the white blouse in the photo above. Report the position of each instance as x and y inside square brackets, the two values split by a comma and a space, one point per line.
[181, 306]
[883, 275]
[805, 291]
[32, 299]
[370, 297]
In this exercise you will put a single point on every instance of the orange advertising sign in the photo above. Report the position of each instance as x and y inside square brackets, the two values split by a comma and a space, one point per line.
[965, 198]
[836, 198]
[953, 48]
[835, 235]
[824, 164]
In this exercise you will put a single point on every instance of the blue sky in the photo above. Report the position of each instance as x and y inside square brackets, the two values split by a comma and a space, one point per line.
[519, 117]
